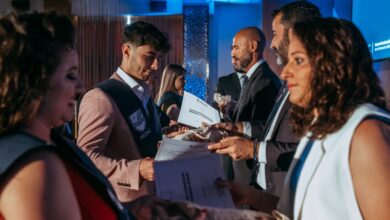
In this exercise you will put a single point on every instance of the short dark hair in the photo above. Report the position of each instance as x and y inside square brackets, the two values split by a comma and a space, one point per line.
[342, 75]
[32, 46]
[296, 11]
[141, 33]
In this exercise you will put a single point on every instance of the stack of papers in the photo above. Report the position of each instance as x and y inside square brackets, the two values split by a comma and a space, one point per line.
[186, 171]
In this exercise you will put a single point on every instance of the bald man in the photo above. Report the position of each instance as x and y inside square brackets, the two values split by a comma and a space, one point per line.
[259, 92]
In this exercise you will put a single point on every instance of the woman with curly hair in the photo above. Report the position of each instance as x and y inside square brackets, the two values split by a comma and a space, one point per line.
[341, 167]
[42, 174]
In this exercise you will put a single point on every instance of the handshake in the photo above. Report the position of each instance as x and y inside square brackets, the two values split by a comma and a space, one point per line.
[226, 104]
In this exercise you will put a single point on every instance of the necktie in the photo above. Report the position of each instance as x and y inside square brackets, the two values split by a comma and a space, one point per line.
[244, 80]
[271, 120]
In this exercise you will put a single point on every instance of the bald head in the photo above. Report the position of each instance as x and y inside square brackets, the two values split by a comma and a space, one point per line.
[247, 48]
[254, 34]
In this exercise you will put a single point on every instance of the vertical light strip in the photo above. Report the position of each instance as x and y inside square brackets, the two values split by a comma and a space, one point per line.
[196, 24]
[128, 19]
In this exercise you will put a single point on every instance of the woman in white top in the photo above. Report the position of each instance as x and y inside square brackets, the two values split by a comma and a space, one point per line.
[338, 108]
[341, 169]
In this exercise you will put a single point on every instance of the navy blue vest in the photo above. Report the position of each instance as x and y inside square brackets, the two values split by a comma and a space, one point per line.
[145, 129]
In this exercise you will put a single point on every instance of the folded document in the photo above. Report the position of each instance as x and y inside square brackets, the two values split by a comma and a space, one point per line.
[186, 171]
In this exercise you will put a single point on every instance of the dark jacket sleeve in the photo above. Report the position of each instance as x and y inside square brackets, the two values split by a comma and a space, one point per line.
[164, 119]
[257, 129]
[280, 154]
[281, 147]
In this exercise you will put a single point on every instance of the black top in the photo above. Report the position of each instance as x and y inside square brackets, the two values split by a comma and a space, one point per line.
[168, 99]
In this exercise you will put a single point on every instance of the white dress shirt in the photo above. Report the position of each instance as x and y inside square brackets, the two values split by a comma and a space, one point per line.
[141, 89]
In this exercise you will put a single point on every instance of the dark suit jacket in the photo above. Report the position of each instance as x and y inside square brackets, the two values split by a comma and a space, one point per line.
[255, 103]
[280, 147]
[229, 85]
[258, 95]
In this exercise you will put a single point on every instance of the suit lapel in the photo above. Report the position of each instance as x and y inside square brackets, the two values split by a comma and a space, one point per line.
[273, 115]
[309, 169]
[244, 91]
[283, 112]
[286, 203]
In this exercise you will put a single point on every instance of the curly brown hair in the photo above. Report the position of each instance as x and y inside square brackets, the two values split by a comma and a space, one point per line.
[31, 48]
[343, 77]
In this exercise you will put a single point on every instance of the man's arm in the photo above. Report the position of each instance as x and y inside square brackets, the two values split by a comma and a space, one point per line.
[96, 120]
[279, 154]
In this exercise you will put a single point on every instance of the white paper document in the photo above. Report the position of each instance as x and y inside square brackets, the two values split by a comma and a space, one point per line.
[192, 179]
[177, 149]
[194, 111]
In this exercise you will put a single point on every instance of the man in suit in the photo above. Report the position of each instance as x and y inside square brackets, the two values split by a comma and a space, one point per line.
[275, 144]
[260, 87]
[119, 124]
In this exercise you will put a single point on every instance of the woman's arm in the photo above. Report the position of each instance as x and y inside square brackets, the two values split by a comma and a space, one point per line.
[39, 188]
[370, 168]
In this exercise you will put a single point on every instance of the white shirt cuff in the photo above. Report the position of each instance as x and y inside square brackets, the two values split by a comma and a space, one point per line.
[262, 152]
[247, 130]
[261, 180]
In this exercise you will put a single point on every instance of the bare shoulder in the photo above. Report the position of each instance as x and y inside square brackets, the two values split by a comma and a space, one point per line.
[372, 137]
[370, 168]
[38, 183]
[34, 168]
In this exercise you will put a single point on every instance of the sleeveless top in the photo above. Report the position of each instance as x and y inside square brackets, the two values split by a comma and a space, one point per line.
[325, 188]
[93, 192]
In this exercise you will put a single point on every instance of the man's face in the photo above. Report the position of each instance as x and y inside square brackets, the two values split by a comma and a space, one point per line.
[279, 42]
[142, 61]
[241, 54]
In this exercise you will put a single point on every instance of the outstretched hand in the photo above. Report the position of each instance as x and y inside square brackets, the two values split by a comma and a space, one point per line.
[238, 148]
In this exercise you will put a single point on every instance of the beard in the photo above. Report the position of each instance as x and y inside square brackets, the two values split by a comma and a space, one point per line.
[281, 51]
[243, 63]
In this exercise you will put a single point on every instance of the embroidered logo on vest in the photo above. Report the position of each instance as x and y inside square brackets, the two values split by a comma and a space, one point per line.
[138, 121]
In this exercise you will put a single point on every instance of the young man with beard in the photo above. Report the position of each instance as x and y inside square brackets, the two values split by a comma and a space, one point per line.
[119, 124]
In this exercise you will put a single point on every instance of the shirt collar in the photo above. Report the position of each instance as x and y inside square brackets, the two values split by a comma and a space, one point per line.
[140, 89]
[253, 68]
